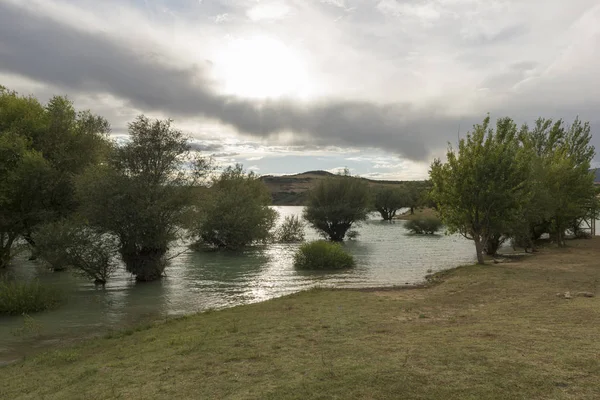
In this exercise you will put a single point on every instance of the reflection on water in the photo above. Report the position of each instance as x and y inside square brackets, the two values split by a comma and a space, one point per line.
[385, 253]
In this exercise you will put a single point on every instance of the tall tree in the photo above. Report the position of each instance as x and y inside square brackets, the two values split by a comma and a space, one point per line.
[143, 193]
[68, 141]
[560, 159]
[337, 203]
[478, 188]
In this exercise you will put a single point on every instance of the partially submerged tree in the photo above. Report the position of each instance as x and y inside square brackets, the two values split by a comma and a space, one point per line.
[23, 183]
[337, 203]
[291, 230]
[560, 183]
[388, 200]
[142, 194]
[480, 185]
[72, 244]
[64, 143]
[236, 213]
[424, 226]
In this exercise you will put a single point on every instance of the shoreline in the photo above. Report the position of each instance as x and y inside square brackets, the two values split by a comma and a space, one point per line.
[492, 331]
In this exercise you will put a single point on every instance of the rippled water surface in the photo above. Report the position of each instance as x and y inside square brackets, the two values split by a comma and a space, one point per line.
[386, 255]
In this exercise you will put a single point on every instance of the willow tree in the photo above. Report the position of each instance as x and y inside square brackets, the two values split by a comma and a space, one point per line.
[65, 140]
[143, 193]
[388, 200]
[337, 203]
[561, 180]
[479, 188]
[236, 211]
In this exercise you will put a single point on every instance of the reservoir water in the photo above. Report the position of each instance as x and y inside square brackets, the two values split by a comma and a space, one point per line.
[386, 255]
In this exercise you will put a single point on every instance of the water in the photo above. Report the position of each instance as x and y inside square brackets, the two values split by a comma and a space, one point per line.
[386, 255]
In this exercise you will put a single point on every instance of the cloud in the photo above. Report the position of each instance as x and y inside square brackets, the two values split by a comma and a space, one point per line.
[401, 90]
[268, 11]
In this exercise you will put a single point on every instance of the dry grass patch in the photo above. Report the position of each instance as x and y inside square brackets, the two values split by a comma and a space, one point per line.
[487, 332]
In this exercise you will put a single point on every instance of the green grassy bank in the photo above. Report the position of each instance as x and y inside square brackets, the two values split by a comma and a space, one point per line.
[494, 332]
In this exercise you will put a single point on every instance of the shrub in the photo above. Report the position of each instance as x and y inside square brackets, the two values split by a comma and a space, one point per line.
[236, 211]
[90, 253]
[27, 297]
[425, 226]
[322, 255]
[290, 231]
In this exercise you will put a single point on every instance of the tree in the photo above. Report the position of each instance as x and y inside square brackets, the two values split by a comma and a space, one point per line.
[335, 204]
[291, 230]
[68, 141]
[142, 194]
[23, 177]
[71, 243]
[479, 187]
[236, 213]
[560, 184]
[388, 200]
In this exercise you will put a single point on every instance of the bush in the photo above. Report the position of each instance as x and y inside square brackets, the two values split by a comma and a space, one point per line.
[236, 211]
[27, 297]
[336, 204]
[290, 231]
[425, 226]
[90, 253]
[322, 255]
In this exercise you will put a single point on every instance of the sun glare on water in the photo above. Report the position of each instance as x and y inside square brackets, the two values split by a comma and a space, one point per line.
[262, 67]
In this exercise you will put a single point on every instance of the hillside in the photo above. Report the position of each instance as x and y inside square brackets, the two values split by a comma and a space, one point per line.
[291, 190]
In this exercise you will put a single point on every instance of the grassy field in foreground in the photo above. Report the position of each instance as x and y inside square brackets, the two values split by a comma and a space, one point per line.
[486, 332]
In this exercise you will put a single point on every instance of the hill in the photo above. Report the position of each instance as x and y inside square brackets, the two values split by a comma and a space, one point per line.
[291, 190]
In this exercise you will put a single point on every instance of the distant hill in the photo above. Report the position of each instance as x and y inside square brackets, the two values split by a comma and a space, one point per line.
[597, 179]
[291, 190]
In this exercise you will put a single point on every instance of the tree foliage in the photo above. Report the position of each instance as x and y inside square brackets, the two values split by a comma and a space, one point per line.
[236, 212]
[335, 204]
[478, 189]
[322, 255]
[425, 226]
[388, 200]
[70, 243]
[43, 149]
[517, 184]
[142, 194]
[291, 230]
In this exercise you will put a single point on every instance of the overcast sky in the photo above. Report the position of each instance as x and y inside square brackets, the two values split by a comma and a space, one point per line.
[284, 86]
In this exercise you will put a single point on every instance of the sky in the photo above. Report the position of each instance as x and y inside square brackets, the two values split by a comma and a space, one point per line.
[286, 86]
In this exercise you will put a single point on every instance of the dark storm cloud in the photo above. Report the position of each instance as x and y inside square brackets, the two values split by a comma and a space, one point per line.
[47, 51]
[81, 62]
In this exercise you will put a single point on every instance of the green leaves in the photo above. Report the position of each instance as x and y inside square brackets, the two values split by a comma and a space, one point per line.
[335, 204]
[236, 212]
[517, 183]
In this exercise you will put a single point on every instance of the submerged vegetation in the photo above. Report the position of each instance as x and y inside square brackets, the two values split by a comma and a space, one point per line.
[236, 211]
[337, 204]
[17, 297]
[323, 255]
[291, 230]
[424, 226]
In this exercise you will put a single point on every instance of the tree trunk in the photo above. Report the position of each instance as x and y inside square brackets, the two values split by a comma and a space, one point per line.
[6, 242]
[479, 249]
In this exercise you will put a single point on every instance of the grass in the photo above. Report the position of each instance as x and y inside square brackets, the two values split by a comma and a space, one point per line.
[497, 331]
[27, 297]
